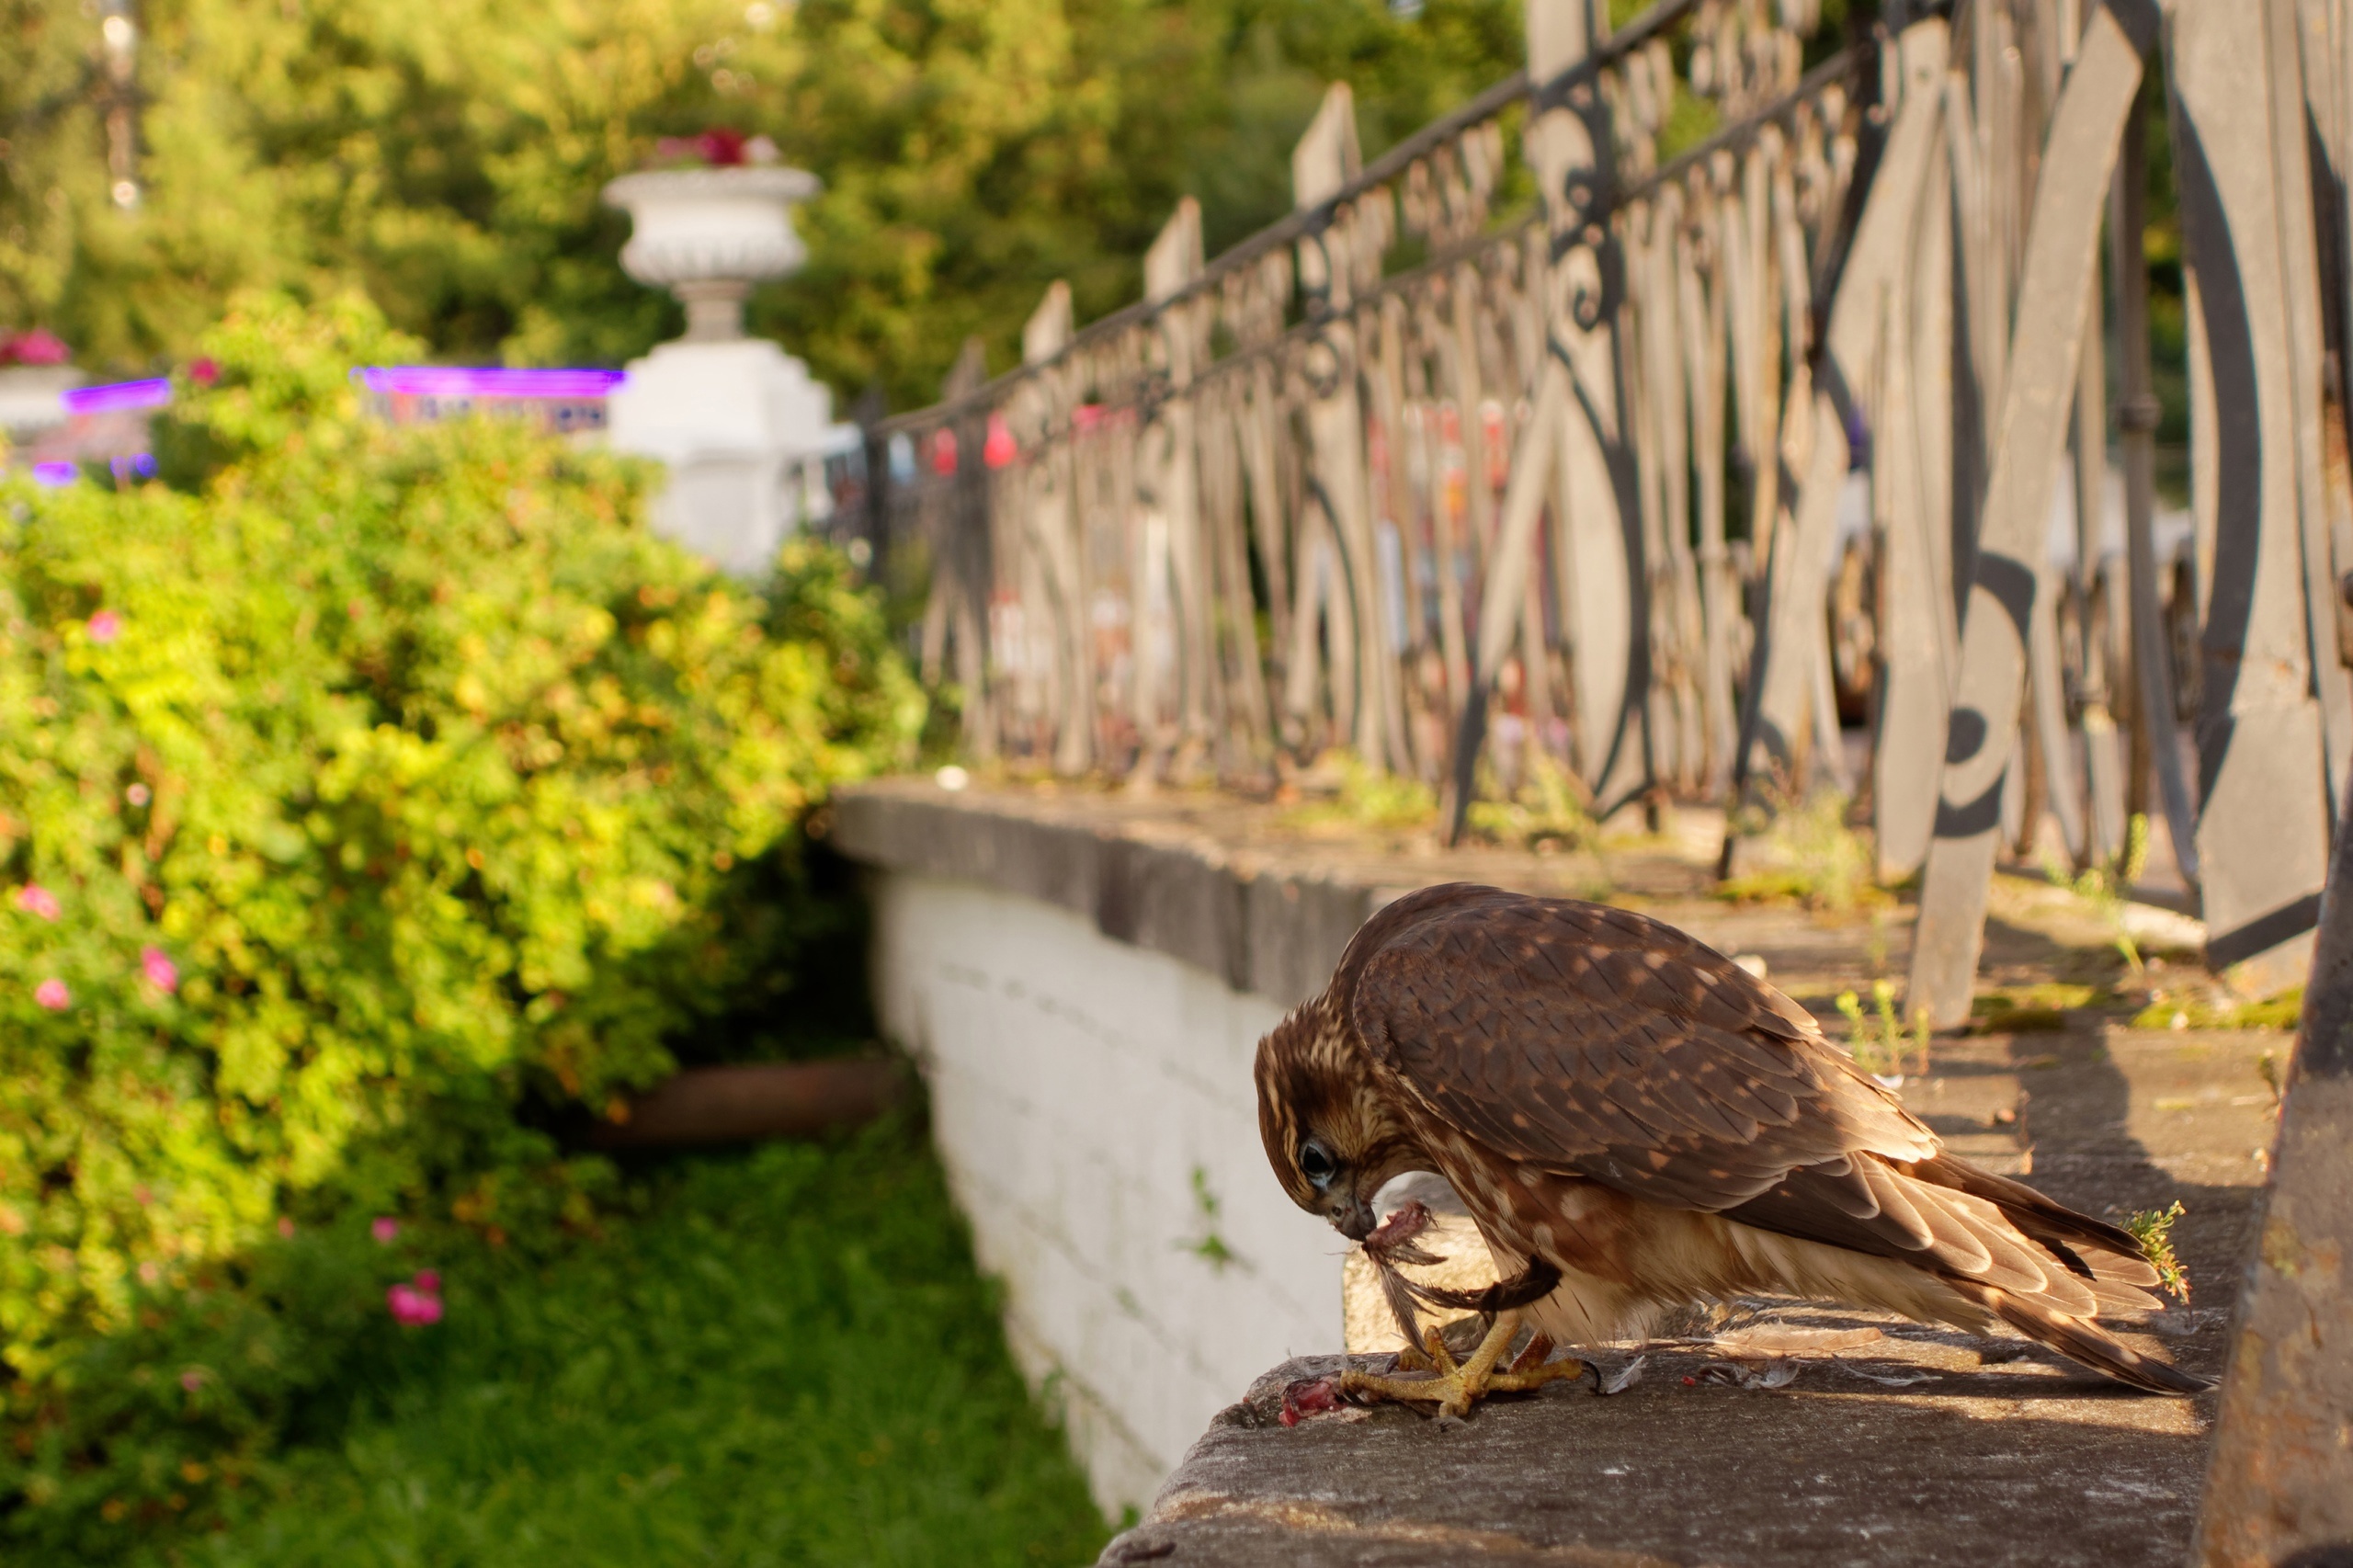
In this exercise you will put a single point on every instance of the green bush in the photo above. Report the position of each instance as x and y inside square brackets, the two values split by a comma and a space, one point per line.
[367, 797]
[170, 1419]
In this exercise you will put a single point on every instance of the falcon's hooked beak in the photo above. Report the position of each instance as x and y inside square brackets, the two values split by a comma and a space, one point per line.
[1351, 1215]
[1333, 1182]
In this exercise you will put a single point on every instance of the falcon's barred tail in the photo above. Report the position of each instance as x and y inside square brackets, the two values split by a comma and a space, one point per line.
[1996, 1243]
[2090, 1247]
[2098, 1258]
[2080, 1339]
[2105, 1258]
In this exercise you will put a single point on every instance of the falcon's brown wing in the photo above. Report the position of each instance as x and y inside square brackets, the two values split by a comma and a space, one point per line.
[1600, 1043]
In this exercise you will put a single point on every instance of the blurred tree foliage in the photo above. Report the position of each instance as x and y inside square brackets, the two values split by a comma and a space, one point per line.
[446, 157]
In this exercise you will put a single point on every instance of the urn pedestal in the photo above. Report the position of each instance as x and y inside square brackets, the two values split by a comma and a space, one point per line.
[736, 420]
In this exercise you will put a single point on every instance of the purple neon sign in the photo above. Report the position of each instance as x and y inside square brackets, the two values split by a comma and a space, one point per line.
[460, 380]
[117, 396]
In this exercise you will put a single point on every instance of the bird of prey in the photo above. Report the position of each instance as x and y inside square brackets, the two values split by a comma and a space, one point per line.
[1635, 1123]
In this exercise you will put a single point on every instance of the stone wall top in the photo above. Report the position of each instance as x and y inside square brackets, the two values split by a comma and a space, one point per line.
[1265, 894]
[1243, 890]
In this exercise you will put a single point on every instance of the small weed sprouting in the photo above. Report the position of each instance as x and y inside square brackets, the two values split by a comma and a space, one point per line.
[1210, 1248]
[1367, 796]
[2041, 1008]
[2178, 1011]
[2267, 1067]
[1878, 1039]
[2153, 1228]
[1812, 856]
[2103, 887]
[1859, 1031]
[1548, 807]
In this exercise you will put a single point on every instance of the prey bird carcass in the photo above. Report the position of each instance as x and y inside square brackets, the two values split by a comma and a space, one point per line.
[1635, 1123]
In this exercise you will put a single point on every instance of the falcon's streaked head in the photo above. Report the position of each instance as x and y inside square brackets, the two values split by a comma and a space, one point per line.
[1330, 1137]
[1635, 1122]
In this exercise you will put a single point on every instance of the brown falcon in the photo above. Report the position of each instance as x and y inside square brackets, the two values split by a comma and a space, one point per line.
[1635, 1122]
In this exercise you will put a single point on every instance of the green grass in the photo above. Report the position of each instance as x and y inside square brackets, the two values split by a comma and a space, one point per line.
[2033, 1009]
[1809, 856]
[1549, 808]
[1363, 796]
[782, 1358]
[2285, 1011]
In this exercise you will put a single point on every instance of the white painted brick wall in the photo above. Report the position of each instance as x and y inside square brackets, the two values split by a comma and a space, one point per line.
[1077, 1083]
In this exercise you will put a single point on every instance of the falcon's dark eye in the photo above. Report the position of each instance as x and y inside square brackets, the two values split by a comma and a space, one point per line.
[1316, 1163]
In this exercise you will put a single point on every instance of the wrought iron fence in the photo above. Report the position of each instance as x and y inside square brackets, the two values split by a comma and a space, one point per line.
[1259, 512]
[1655, 470]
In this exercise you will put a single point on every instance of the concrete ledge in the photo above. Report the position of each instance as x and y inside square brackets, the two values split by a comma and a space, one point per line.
[1906, 1445]
[1243, 917]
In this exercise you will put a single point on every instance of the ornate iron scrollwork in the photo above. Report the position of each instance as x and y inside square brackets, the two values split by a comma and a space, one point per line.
[1588, 201]
[1322, 365]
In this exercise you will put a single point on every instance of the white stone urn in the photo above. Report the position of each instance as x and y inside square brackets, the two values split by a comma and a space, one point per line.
[32, 397]
[709, 234]
[735, 419]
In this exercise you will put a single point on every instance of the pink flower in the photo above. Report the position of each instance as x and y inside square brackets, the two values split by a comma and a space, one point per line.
[286, 1227]
[192, 1380]
[412, 1306]
[428, 1281]
[205, 372]
[720, 147]
[105, 627]
[161, 972]
[35, 899]
[51, 993]
[384, 1228]
[39, 347]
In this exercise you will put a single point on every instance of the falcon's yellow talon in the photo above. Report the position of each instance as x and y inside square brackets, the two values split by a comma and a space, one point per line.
[1455, 1388]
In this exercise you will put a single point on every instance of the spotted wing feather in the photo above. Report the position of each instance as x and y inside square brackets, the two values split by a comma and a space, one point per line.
[1602, 1043]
